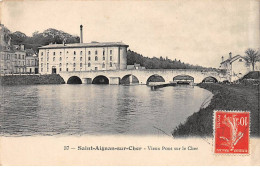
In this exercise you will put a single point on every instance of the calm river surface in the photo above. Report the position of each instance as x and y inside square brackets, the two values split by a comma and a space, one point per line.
[95, 109]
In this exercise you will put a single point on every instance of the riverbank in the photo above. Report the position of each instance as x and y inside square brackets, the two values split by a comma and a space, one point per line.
[226, 97]
[31, 79]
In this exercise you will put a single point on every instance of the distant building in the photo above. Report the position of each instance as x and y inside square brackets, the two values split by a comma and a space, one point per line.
[12, 57]
[236, 66]
[135, 66]
[32, 62]
[94, 56]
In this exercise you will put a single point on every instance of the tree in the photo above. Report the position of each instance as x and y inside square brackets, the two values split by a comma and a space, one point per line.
[252, 56]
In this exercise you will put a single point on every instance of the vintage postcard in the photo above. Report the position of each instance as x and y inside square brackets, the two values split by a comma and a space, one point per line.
[116, 83]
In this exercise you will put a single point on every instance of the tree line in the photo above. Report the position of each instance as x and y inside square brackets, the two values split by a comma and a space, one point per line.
[158, 63]
[40, 39]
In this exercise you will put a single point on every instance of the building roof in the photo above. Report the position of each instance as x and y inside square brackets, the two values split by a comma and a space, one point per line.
[29, 52]
[230, 60]
[82, 45]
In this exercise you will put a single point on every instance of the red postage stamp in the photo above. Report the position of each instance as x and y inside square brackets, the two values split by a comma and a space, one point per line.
[231, 132]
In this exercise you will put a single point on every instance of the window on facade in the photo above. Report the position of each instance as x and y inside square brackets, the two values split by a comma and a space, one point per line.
[103, 53]
[47, 65]
[96, 58]
[96, 52]
[110, 64]
[240, 60]
[19, 63]
[60, 53]
[74, 52]
[41, 64]
[80, 58]
[23, 56]
[19, 56]
[74, 58]
[60, 59]
[74, 69]
[104, 58]
[74, 64]
[47, 69]
[42, 53]
[80, 64]
[111, 52]
[41, 69]
[53, 59]
[96, 68]
[89, 64]
[47, 53]
[67, 52]
[47, 59]
[60, 64]
[81, 52]
[103, 65]
[60, 69]
[111, 58]
[89, 52]
[15, 56]
[41, 59]
[67, 69]
[53, 53]
[89, 58]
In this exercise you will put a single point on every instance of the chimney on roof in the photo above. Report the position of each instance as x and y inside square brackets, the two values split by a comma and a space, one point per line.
[230, 55]
[222, 58]
[81, 34]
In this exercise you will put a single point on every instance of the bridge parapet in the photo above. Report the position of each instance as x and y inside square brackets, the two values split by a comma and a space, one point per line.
[143, 74]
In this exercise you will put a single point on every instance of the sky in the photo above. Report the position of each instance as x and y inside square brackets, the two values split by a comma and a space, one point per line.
[196, 32]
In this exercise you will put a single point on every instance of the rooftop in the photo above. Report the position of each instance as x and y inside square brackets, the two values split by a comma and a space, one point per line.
[231, 59]
[82, 45]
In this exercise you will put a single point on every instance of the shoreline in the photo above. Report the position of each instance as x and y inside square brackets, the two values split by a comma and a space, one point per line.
[31, 79]
[225, 97]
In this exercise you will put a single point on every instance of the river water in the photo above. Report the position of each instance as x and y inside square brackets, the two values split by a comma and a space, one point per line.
[96, 109]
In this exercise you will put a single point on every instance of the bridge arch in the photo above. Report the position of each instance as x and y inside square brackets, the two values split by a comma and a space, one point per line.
[129, 79]
[155, 78]
[183, 79]
[100, 79]
[210, 79]
[74, 80]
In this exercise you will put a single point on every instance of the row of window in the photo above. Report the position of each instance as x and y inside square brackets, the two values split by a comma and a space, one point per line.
[20, 63]
[7, 57]
[74, 65]
[74, 58]
[81, 53]
[67, 69]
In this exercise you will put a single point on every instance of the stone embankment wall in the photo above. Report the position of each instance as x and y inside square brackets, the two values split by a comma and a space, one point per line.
[31, 79]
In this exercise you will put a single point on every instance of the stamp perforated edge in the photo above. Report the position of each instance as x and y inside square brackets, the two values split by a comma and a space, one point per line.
[213, 141]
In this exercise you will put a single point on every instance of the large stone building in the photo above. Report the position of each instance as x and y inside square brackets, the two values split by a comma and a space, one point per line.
[237, 66]
[94, 56]
[12, 57]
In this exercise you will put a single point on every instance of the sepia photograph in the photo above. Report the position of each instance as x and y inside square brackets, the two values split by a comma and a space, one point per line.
[129, 83]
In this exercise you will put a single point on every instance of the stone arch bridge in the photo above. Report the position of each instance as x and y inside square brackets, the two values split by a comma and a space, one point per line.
[142, 76]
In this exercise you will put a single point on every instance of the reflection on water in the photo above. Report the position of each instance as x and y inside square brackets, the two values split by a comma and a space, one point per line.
[95, 109]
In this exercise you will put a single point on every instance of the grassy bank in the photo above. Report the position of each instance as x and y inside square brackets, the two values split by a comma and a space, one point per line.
[226, 97]
[31, 79]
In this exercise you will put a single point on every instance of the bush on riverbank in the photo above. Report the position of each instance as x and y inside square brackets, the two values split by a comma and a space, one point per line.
[31, 79]
[226, 97]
